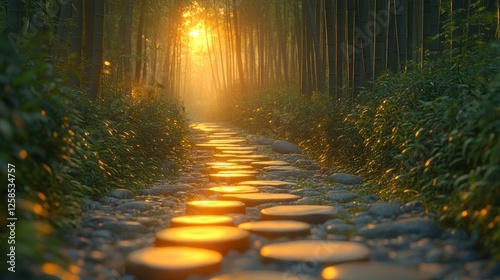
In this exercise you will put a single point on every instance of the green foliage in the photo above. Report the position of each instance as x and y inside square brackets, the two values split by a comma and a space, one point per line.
[66, 149]
[130, 139]
[37, 137]
[430, 133]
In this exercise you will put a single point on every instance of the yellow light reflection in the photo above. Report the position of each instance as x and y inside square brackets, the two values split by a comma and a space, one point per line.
[330, 273]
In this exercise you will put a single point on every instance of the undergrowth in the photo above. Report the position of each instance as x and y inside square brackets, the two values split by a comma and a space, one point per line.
[429, 133]
[66, 149]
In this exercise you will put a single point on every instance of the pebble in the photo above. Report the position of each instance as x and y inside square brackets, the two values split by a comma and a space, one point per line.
[404, 235]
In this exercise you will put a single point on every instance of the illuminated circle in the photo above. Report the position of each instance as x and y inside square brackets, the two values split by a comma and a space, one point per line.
[231, 178]
[277, 229]
[201, 220]
[174, 262]
[214, 207]
[218, 238]
[262, 164]
[266, 183]
[231, 190]
[215, 169]
[253, 199]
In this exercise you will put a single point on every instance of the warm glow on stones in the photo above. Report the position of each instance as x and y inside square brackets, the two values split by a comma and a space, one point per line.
[212, 146]
[217, 238]
[226, 141]
[172, 262]
[201, 220]
[262, 275]
[231, 178]
[318, 251]
[224, 157]
[277, 229]
[266, 183]
[231, 190]
[214, 207]
[371, 271]
[253, 199]
[255, 157]
[313, 214]
[214, 169]
[240, 148]
[262, 164]
[220, 163]
[235, 152]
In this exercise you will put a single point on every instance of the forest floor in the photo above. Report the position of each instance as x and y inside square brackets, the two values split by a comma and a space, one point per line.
[391, 232]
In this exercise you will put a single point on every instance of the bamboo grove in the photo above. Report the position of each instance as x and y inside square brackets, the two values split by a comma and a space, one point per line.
[209, 49]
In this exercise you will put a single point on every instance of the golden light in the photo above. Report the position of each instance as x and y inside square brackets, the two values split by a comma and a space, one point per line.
[194, 33]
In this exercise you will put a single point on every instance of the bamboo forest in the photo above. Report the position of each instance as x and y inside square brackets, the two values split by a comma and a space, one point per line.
[250, 139]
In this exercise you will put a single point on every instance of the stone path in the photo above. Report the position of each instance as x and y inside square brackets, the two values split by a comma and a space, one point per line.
[292, 219]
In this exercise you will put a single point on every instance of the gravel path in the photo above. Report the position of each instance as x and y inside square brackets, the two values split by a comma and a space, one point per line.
[395, 233]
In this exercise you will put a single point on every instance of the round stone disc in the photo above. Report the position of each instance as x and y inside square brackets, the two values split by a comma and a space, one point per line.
[227, 141]
[276, 229]
[241, 148]
[225, 133]
[254, 172]
[215, 169]
[262, 275]
[201, 220]
[244, 161]
[313, 214]
[220, 163]
[155, 263]
[371, 271]
[224, 157]
[319, 251]
[262, 164]
[231, 190]
[212, 146]
[267, 183]
[214, 207]
[281, 168]
[254, 157]
[218, 238]
[236, 152]
[231, 178]
[253, 199]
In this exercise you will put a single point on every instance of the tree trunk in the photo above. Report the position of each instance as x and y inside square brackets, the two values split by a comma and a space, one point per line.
[238, 50]
[127, 42]
[75, 50]
[138, 53]
[97, 52]
[14, 16]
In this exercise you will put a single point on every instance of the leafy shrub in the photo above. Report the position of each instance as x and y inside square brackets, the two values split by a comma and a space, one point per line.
[37, 137]
[430, 133]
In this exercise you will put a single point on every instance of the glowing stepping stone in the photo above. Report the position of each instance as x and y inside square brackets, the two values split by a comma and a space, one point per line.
[214, 207]
[175, 262]
[201, 220]
[371, 271]
[244, 161]
[212, 146]
[313, 214]
[254, 172]
[254, 157]
[220, 163]
[225, 133]
[262, 275]
[253, 199]
[231, 178]
[215, 169]
[281, 168]
[318, 251]
[276, 229]
[240, 148]
[224, 157]
[227, 141]
[231, 190]
[266, 183]
[218, 238]
[235, 152]
[262, 164]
